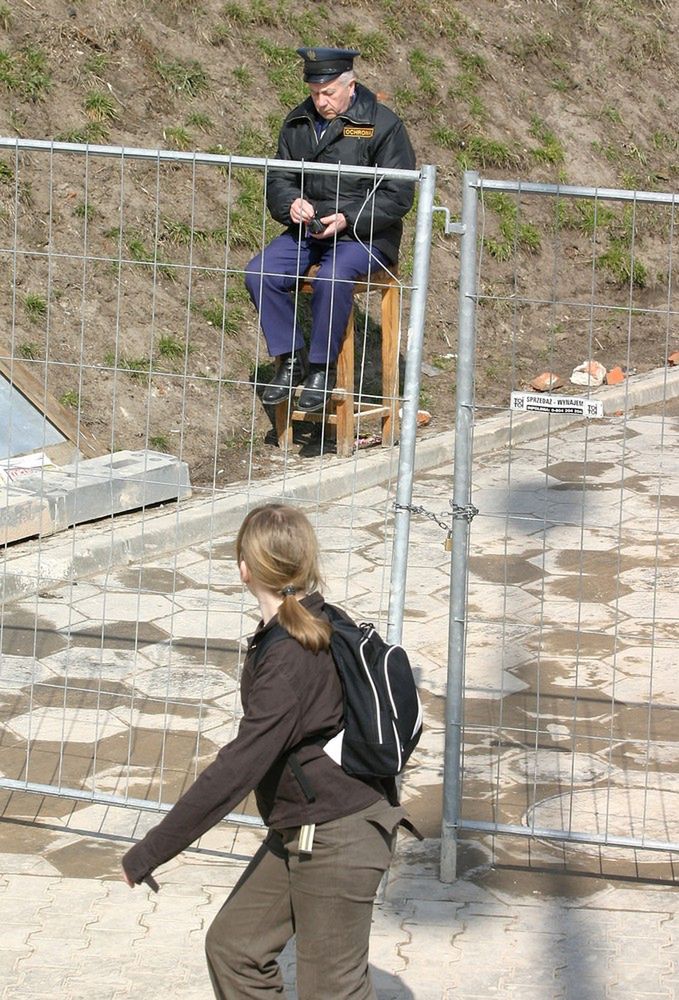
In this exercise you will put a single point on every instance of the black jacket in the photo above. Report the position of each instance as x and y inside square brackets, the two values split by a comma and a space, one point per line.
[368, 134]
[291, 693]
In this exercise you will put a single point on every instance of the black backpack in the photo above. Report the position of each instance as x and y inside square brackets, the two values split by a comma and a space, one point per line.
[382, 709]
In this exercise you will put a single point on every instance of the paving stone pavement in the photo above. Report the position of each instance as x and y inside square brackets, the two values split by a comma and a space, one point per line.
[126, 682]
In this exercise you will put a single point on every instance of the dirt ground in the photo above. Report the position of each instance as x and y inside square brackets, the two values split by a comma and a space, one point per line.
[121, 282]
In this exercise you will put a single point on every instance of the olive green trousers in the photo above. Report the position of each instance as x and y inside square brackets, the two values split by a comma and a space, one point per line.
[325, 899]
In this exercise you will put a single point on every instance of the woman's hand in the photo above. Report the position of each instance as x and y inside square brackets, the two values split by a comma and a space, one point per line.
[127, 879]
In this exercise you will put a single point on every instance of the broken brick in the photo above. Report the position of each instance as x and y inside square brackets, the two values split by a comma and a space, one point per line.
[615, 375]
[673, 359]
[545, 382]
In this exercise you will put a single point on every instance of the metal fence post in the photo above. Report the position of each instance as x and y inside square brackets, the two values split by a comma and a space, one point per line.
[461, 498]
[411, 397]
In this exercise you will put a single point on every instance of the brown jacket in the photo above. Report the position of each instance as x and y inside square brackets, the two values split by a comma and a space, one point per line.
[289, 695]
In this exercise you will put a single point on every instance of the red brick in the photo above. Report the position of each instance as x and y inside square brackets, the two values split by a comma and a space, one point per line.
[673, 359]
[614, 376]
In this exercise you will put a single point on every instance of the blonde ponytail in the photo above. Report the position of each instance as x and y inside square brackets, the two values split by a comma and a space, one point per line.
[280, 549]
[311, 632]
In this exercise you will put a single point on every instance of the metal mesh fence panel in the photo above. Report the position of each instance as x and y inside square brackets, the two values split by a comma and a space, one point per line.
[566, 573]
[135, 441]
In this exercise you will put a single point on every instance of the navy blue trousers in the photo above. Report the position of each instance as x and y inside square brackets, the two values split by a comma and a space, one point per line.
[272, 274]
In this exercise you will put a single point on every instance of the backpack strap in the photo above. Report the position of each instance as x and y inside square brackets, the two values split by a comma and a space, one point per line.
[267, 638]
[259, 645]
[302, 780]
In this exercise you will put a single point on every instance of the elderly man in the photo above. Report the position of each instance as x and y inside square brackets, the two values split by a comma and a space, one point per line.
[348, 225]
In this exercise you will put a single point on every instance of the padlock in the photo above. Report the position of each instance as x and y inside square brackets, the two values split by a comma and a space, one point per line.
[448, 544]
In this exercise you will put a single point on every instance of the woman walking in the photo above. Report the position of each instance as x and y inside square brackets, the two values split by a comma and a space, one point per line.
[330, 835]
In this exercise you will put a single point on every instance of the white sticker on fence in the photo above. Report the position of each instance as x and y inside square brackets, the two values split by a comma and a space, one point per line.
[538, 401]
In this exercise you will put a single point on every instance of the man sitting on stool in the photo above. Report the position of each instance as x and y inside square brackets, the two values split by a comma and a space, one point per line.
[348, 225]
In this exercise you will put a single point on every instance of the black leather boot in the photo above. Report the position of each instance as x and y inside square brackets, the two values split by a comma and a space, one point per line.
[291, 371]
[318, 385]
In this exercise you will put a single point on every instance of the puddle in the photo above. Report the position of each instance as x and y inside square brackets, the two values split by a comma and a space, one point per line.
[579, 472]
[118, 635]
[24, 634]
[510, 569]
[151, 580]
[595, 562]
[602, 588]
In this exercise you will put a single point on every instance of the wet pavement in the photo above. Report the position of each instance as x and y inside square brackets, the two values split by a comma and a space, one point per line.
[125, 684]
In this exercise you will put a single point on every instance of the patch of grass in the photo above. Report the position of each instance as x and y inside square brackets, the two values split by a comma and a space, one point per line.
[181, 233]
[514, 234]
[170, 347]
[607, 150]
[6, 173]
[135, 367]
[665, 141]
[444, 362]
[100, 106]
[251, 142]
[29, 350]
[97, 63]
[35, 306]
[395, 26]
[550, 150]
[219, 150]
[538, 45]
[242, 75]
[159, 442]
[587, 216]
[372, 45]
[92, 132]
[228, 320]
[245, 229]
[307, 26]
[404, 98]
[282, 67]
[177, 137]
[141, 255]
[187, 78]
[18, 121]
[611, 114]
[70, 398]
[84, 211]
[221, 34]
[447, 137]
[199, 120]
[423, 68]
[442, 19]
[257, 13]
[622, 268]
[274, 120]
[5, 17]
[9, 76]
[480, 152]
[26, 73]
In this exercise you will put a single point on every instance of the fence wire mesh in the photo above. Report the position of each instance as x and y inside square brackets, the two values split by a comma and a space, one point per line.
[130, 334]
[571, 699]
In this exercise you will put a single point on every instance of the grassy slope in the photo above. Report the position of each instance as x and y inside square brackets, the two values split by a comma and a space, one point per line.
[582, 91]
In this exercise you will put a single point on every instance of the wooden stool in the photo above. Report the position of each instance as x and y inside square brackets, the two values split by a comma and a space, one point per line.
[344, 409]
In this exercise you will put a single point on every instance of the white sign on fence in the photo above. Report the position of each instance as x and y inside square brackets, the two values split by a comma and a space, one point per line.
[542, 403]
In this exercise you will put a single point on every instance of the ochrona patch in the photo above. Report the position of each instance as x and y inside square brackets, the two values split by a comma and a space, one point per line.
[358, 131]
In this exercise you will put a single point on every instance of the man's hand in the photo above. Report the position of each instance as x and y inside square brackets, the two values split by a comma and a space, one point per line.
[301, 211]
[334, 225]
